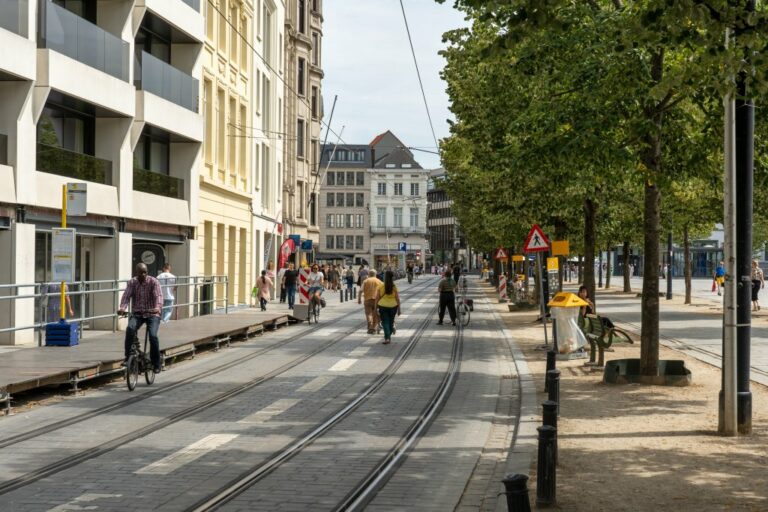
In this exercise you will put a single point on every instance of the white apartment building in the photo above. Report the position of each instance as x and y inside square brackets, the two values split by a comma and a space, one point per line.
[108, 94]
[398, 204]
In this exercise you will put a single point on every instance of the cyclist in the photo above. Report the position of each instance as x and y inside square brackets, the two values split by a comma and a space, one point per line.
[144, 296]
[316, 279]
[409, 272]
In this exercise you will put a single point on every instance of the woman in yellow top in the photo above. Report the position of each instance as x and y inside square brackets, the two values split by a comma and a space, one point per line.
[388, 302]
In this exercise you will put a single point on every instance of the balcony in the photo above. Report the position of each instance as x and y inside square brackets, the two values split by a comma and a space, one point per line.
[158, 184]
[63, 162]
[75, 37]
[13, 16]
[399, 230]
[163, 80]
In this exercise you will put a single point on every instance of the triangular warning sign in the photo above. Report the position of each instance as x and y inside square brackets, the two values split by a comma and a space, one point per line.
[501, 254]
[536, 241]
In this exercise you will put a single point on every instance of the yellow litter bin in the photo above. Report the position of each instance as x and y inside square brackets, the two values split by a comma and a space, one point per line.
[565, 310]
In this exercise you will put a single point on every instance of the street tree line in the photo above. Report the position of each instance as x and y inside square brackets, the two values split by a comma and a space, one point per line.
[602, 121]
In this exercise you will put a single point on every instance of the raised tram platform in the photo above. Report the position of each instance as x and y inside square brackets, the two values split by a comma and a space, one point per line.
[34, 367]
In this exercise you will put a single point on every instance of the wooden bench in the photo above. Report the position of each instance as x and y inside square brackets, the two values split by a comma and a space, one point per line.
[601, 338]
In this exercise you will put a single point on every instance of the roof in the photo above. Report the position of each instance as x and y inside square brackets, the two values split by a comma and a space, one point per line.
[397, 157]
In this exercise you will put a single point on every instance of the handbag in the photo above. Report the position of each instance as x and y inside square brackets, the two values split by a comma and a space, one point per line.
[714, 285]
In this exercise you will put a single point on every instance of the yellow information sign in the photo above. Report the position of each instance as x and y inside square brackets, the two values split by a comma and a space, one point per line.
[553, 264]
[560, 248]
[518, 257]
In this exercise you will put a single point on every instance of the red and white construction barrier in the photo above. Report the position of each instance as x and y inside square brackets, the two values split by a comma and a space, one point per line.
[303, 286]
[502, 288]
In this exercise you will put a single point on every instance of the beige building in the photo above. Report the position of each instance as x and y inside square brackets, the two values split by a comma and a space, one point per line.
[303, 113]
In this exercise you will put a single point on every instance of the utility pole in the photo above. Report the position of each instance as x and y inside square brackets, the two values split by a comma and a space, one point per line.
[745, 135]
[599, 268]
[669, 266]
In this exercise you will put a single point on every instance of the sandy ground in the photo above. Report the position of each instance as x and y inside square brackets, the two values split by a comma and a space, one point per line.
[647, 448]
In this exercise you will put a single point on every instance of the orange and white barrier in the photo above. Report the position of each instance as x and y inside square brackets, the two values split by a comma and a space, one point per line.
[502, 288]
[303, 286]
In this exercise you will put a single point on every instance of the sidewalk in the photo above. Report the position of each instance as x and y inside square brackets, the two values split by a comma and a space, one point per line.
[635, 447]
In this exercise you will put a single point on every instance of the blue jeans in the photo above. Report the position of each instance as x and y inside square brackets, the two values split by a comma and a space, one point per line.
[167, 309]
[153, 324]
[290, 292]
[387, 316]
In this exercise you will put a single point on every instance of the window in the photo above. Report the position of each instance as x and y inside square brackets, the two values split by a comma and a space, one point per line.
[329, 201]
[266, 19]
[302, 199]
[350, 242]
[398, 211]
[340, 179]
[329, 241]
[210, 18]
[350, 220]
[339, 241]
[406, 166]
[330, 178]
[339, 220]
[315, 151]
[244, 50]
[302, 16]
[340, 199]
[360, 200]
[300, 138]
[350, 199]
[208, 109]
[329, 221]
[232, 133]
[152, 152]
[313, 209]
[359, 242]
[390, 166]
[382, 188]
[414, 189]
[266, 103]
[315, 48]
[398, 189]
[233, 42]
[360, 179]
[381, 217]
[300, 77]
[223, 26]
[221, 110]
[359, 222]
[350, 178]
[414, 217]
[314, 101]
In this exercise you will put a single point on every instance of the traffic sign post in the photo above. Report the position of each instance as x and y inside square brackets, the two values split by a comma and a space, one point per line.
[537, 241]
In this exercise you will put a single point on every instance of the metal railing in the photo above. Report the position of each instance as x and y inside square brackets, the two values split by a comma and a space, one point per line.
[69, 34]
[204, 296]
[56, 160]
[156, 183]
[161, 79]
[13, 16]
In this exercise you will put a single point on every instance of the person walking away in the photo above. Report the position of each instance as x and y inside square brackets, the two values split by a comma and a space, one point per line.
[367, 297]
[720, 277]
[145, 299]
[280, 276]
[290, 278]
[168, 285]
[265, 290]
[362, 275]
[388, 302]
[758, 282]
[409, 272]
[350, 277]
[446, 290]
[53, 296]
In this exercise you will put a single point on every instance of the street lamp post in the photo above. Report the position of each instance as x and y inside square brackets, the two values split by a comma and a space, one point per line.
[669, 266]
[600, 268]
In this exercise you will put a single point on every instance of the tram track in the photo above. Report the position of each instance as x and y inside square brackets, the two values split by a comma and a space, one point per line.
[106, 447]
[366, 488]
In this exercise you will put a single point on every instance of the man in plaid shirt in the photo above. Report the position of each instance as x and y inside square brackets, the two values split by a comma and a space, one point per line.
[145, 297]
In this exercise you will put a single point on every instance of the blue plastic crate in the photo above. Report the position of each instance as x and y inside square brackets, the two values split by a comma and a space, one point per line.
[61, 334]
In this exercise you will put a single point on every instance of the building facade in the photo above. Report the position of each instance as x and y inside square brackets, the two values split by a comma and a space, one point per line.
[303, 115]
[447, 243]
[121, 116]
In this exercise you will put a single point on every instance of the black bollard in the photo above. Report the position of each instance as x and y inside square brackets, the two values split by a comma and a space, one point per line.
[546, 477]
[549, 418]
[516, 489]
[551, 365]
[553, 387]
[346, 294]
[341, 295]
[354, 292]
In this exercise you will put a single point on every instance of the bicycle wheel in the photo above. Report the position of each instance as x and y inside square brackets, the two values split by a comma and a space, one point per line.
[316, 310]
[149, 372]
[462, 311]
[132, 372]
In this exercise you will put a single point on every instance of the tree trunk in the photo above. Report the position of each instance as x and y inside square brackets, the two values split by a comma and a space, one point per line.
[627, 275]
[687, 258]
[608, 267]
[589, 247]
[580, 270]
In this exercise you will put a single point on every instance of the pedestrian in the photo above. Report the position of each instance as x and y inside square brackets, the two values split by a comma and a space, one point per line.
[350, 277]
[446, 290]
[388, 301]
[281, 280]
[362, 275]
[52, 292]
[758, 282]
[290, 277]
[590, 308]
[265, 290]
[720, 277]
[168, 284]
[367, 297]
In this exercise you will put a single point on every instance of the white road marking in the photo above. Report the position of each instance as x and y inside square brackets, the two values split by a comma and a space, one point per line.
[273, 409]
[359, 352]
[85, 498]
[316, 384]
[174, 461]
[343, 365]
[326, 331]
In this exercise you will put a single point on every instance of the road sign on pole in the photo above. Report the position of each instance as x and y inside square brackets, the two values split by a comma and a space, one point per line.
[402, 246]
[501, 254]
[536, 241]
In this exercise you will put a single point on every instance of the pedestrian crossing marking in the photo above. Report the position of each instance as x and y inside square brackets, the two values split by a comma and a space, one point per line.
[84, 498]
[191, 453]
[343, 365]
[316, 384]
[270, 411]
[359, 352]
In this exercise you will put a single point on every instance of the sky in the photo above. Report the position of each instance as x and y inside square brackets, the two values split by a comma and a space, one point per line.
[367, 62]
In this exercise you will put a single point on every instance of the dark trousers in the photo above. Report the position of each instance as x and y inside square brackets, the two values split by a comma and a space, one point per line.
[387, 316]
[134, 324]
[263, 303]
[282, 294]
[447, 299]
[290, 293]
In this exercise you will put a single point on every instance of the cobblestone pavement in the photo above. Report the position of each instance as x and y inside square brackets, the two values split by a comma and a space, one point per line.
[174, 467]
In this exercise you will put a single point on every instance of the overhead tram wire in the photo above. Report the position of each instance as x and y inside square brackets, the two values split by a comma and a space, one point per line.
[418, 74]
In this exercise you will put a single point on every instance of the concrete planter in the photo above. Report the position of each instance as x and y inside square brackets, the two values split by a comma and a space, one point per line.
[627, 371]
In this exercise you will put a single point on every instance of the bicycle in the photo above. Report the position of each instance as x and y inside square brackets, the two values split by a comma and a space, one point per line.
[139, 362]
[462, 308]
[314, 307]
